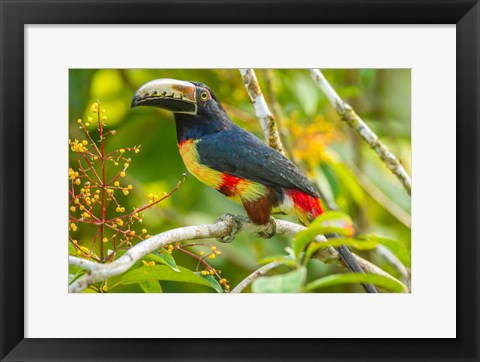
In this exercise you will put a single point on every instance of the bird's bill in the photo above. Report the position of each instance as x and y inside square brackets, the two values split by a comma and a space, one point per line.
[170, 94]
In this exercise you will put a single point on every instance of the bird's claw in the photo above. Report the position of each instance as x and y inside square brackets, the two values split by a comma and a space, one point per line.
[271, 231]
[236, 222]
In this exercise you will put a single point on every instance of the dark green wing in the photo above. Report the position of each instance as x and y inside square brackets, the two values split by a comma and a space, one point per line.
[241, 154]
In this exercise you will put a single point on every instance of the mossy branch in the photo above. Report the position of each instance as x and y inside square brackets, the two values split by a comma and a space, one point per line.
[263, 113]
[348, 115]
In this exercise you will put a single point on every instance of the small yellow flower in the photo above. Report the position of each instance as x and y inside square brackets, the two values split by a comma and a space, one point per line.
[73, 226]
[125, 192]
[94, 107]
[132, 232]
[137, 150]
[118, 209]
[122, 174]
[218, 252]
[89, 119]
[87, 124]
[116, 183]
[144, 231]
[213, 248]
[104, 240]
[211, 272]
[119, 222]
[78, 181]
[95, 158]
[75, 242]
[122, 150]
[130, 187]
[211, 256]
[122, 209]
[86, 215]
[73, 208]
[79, 121]
[76, 201]
[204, 272]
[201, 253]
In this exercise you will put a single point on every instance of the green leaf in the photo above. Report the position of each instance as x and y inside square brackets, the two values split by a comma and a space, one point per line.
[213, 282]
[349, 180]
[395, 246]
[160, 272]
[349, 278]
[284, 259]
[151, 286]
[290, 282]
[328, 222]
[162, 257]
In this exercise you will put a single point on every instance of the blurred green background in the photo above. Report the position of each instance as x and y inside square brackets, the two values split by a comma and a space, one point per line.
[349, 173]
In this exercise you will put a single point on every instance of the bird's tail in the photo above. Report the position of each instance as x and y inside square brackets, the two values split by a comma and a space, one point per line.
[307, 209]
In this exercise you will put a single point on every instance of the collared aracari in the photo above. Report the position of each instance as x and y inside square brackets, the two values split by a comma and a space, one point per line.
[233, 161]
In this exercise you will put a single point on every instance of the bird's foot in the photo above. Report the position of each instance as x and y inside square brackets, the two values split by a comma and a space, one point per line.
[270, 231]
[236, 223]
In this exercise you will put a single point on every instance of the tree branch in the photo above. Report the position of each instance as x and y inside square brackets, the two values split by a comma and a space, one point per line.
[98, 271]
[267, 120]
[257, 273]
[348, 115]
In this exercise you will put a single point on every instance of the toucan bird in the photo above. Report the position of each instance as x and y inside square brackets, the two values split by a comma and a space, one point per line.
[233, 161]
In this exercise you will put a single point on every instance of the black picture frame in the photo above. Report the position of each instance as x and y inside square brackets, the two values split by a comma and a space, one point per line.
[16, 14]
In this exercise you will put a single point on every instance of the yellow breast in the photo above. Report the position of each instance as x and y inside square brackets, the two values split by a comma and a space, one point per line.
[233, 187]
[190, 157]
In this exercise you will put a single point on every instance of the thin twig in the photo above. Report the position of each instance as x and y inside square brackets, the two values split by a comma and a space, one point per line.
[98, 271]
[257, 273]
[267, 120]
[348, 115]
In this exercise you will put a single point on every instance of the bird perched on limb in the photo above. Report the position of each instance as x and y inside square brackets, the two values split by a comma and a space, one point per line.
[233, 161]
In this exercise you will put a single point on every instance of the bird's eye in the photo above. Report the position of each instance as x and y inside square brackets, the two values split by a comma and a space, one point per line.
[204, 96]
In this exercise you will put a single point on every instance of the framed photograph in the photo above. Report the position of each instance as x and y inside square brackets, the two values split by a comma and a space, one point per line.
[232, 181]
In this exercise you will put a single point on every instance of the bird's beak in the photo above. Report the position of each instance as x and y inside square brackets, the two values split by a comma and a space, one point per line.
[170, 94]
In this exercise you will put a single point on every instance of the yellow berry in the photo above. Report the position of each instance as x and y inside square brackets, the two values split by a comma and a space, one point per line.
[122, 209]
[204, 272]
[76, 201]
[122, 174]
[86, 215]
[95, 158]
[79, 121]
[118, 209]
[211, 271]
[87, 124]
[122, 150]
[116, 163]
[73, 226]
[200, 253]
[144, 231]
[130, 187]
[119, 222]
[116, 183]
[218, 252]
[211, 256]
[77, 181]
[213, 248]
[125, 192]
[137, 150]
[104, 240]
[132, 232]
[73, 208]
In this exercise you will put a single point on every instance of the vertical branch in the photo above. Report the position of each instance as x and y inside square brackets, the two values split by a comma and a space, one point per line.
[348, 115]
[267, 121]
[104, 181]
